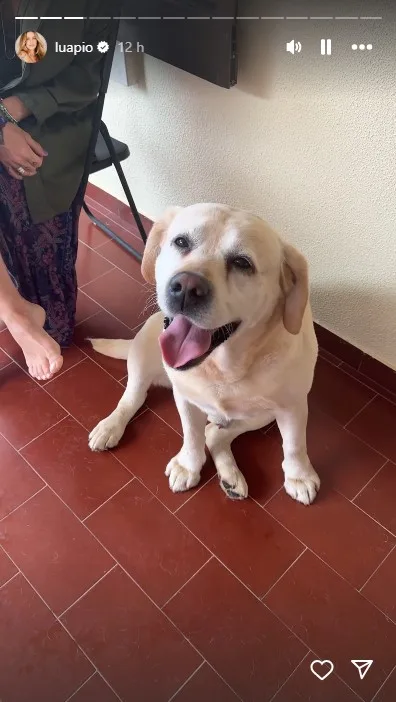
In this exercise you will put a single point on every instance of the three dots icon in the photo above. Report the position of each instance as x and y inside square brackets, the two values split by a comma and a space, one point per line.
[361, 47]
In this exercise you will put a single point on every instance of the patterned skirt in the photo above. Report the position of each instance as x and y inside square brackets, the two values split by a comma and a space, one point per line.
[41, 258]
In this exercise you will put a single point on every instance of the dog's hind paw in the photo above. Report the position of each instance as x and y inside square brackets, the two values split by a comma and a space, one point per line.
[180, 479]
[233, 483]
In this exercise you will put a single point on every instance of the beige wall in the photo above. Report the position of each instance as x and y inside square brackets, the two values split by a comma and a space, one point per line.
[307, 142]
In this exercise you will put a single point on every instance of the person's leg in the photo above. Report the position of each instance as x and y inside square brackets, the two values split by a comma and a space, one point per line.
[24, 319]
[25, 322]
[40, 257]
[46, 272]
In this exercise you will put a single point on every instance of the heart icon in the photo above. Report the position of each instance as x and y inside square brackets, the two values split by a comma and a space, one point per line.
[322, 672]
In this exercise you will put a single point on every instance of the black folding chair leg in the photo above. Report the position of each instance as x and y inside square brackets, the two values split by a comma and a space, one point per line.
[106, 136]
[112, 234]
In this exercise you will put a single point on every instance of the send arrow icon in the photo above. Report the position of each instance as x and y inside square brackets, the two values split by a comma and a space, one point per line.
[363, 667]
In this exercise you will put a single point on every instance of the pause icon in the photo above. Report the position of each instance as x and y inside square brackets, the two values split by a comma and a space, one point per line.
[325, 47]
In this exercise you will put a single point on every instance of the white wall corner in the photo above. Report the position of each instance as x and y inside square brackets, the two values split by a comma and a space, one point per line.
[127, 68]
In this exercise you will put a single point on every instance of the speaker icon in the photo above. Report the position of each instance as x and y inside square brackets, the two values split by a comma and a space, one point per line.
[293, 46]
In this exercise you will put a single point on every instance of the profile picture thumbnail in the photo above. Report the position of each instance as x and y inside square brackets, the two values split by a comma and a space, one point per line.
[31, 47]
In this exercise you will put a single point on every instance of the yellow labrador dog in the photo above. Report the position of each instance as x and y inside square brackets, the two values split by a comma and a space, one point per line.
[234, 339]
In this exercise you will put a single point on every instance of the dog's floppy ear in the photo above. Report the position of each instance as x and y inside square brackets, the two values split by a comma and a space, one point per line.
[295, 285]
[153, 244]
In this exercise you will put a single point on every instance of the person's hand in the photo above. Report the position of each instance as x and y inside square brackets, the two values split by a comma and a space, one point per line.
[20, 150]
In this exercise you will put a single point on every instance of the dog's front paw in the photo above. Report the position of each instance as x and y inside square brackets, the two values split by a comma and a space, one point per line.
[106, 435]
[180, 479]
[304, 489]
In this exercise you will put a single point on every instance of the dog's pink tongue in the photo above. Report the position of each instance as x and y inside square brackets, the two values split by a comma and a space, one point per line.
[182, 342]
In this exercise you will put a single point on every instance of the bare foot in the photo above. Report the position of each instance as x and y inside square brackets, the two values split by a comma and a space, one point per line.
[42, 354]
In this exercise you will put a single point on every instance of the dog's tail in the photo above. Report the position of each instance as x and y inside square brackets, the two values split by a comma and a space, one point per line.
[115, 348]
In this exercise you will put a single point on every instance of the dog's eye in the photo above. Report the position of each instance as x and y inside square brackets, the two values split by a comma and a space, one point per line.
[182, 242]
[242, 263]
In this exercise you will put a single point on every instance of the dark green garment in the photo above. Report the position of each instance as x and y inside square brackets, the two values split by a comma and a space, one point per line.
[60, 91]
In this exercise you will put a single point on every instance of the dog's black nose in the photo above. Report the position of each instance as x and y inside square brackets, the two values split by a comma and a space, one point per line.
[188, 292]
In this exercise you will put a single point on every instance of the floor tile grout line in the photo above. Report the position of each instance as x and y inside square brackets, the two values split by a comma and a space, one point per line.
[352, 586]
[345, 426]
[108, 499]
[194, 535]
[7, 365]
[94, 280]
[194, 493]
[308, 653]
[97, 277]
[263, 506]
[117, 563]
[223, 679]
[369, 481]
[312, 653]
[375, 571]
[381, 389]
[186, 583]
[42, 433]
[310, 650]
[83, 360]
[62, 372]
[172, 623]
[105, 211]
[136, 583]
[216, 673]
[96, 204]
[22, 504]
[46, 484]
[89, 659]
[102, 577]
[104, 258]
[383, 684]
[108, 312]
[203, 544]
[114, 267]
[113, 221]
[157, 606]
[374, 520]
[40, 383]
[102, 368]
[112, 453]
[349, 687]
[86, 319]
[314, 552]
[165, 422]
[233, 575]
[365, 443]
[212, 552]
[324, 357]
[283, 574]
[96, 669]
[10, 579]
[280, 523]
[186, 681]
[317, 555]
[70, 698]
[359, 380]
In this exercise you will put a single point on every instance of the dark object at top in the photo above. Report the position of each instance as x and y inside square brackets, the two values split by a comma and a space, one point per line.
[204, 47]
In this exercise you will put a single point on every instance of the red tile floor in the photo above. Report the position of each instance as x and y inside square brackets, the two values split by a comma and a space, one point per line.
[112, 588]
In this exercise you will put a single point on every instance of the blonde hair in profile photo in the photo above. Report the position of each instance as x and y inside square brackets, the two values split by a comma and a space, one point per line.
[31, 47]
